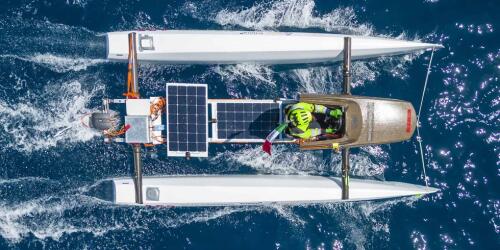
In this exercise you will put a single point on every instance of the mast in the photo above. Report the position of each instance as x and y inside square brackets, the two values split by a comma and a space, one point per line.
[346, 72]
[346, 69]
[133, 93]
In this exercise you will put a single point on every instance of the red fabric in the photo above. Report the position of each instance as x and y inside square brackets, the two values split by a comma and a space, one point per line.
[127, 127]
[266, 147]
[408, 121]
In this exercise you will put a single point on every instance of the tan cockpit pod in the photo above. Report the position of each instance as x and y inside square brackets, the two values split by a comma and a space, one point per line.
[366, 120]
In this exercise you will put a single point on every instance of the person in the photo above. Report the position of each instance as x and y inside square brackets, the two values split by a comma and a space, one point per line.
[304, 125]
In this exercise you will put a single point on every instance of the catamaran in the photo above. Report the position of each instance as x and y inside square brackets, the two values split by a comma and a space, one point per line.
[193, 122]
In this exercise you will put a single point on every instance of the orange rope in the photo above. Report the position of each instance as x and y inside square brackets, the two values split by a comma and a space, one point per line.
[157, 108]
[115, 133]
[159, 139]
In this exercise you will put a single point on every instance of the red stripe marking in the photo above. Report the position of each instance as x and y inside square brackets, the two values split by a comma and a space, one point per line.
[408, 121]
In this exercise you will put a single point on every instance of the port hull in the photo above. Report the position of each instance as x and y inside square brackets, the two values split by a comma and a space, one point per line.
[234, 190]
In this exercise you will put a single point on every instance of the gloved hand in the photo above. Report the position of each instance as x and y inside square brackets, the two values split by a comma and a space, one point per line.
[329, 131]
[336, 113]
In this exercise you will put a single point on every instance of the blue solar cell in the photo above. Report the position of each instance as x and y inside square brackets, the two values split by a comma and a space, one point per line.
[191, 92]
[172, 91]
[174, 136]
[181, 119]
[200, 91]
[192, 118]
[200, 137]
[191, 109]
[181, 91]
[182, 101]
[182, 130]
[201, 128]
[202, 147]
[182, 137]
[239, 116]
[248, 109]
[191, 137]
[200, 100]
[181, 109]
[173, 128]
[191, 128]
[201, 109]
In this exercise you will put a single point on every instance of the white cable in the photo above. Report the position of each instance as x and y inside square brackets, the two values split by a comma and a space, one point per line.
[419, 138]
[425, 84]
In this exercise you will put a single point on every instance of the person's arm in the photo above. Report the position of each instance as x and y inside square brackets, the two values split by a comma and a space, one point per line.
[316, 108]
[308, 134]
[313, 108]
[320, 109]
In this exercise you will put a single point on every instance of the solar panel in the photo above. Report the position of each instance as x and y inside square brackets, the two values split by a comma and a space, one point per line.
[246, 121]
[187, 122]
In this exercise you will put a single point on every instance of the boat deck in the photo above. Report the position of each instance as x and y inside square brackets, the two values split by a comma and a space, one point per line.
[193, 120]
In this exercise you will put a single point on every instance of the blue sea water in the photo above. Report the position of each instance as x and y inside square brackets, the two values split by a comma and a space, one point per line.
[53, 71]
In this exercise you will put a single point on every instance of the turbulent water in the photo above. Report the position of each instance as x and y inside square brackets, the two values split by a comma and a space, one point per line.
[53, 73]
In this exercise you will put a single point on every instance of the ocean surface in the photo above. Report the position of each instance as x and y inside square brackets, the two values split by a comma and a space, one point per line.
[53, 71]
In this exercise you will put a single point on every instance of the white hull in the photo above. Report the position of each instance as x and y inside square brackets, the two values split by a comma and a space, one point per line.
[232, 190]
[228, 47]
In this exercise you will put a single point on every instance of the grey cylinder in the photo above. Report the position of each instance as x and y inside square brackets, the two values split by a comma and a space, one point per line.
[101, 121]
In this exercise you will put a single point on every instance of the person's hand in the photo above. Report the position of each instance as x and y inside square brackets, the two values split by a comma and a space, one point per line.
[336, 113]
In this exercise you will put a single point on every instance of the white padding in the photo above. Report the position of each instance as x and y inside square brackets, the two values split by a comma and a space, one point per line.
[138, 107]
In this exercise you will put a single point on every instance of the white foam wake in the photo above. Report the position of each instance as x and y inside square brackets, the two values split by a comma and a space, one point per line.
[23, 180]
[282, 161]
[80, 3]
[327, 79]
[47, 120]
[294, 13]
[364, 220]
[59, 64]
[370, 161]
[302, 14]
[15, 223]
[65, 64]
[57, 216]
[245, 71]
[324, 79]
[245, 80]
[246, 75]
